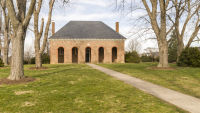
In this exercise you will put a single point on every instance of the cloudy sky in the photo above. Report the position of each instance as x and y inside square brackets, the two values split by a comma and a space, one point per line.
[89, 10]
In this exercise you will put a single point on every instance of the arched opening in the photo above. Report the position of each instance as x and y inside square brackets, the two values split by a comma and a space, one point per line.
[74, 55]
[60, 55]
[88, 54]
[114, 54]
[101, 54]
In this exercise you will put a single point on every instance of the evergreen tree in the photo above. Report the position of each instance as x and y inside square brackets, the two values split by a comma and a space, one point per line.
[172, 48]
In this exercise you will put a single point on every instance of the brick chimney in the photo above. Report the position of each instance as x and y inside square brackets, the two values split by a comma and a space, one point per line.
[117, 27]
[53, 28]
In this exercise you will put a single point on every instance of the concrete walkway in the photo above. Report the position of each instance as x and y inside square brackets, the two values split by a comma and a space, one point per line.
[181, 100]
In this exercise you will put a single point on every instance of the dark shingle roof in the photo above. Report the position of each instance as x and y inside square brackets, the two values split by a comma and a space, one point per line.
[86, 30]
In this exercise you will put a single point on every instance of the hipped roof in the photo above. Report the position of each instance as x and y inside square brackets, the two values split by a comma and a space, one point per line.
[86, 30]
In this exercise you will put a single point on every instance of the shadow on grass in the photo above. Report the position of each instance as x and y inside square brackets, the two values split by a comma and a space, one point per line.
[51, 73]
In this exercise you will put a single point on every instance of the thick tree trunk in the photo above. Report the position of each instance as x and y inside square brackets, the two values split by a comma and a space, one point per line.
[163, 55]
[38, 59]
[17, 67]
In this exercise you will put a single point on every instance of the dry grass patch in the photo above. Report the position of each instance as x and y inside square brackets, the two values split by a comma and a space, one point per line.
[25, 104]
[23, 92]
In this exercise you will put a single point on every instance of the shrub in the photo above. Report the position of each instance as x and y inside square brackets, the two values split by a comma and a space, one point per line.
[146, 58]
[156, 59]
[45, 58]
[32, 60]
[132, 57]
[1, 63]
[25, 61]
[189, 57]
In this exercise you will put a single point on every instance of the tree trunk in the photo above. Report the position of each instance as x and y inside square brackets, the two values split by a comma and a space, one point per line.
[6, 46]
[5, 56]
[38, 55]
[17, 67]
[180, 47]
[163, 55]
[38, 59]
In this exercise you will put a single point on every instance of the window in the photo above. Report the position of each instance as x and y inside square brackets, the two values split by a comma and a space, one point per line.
[61, 51]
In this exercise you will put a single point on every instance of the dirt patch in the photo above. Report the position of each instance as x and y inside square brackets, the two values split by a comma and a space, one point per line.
[161, 68]
[38, 68]
[22, 92]
[13, 82]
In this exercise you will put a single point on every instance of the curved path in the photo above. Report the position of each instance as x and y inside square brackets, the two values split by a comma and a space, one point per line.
[181, 100]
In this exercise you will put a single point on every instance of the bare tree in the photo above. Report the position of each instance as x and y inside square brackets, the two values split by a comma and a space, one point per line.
[6, 32]
[156, 18]
[19, 20]
[189, 10]
[38, 34]
[134, 45]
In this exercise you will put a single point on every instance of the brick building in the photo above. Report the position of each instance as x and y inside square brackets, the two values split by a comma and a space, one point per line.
[86, 42]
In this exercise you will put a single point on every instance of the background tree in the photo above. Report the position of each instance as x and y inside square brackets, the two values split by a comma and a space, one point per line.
[173, 47]
[134, 45]
[19, 20]
[39, 49]
[186, 13]
[6, 32]
[156, 19]
[38, 35]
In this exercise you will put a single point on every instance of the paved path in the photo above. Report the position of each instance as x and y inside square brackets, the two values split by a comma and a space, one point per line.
[181, 100]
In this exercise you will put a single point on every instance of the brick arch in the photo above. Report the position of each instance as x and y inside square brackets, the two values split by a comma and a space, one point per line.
[75, 58]
[60, 54]
[114, 54]
[101, 54]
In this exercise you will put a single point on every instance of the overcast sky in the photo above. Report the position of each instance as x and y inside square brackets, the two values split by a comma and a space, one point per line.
[88, 10]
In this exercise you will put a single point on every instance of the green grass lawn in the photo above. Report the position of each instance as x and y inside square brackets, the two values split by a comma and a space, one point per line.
[184, 79]
[76, 88]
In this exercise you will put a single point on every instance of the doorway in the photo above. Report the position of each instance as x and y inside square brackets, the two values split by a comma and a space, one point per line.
[74, 55]
[88, 54]
[101, 54]
[114, 54]
[60, 55]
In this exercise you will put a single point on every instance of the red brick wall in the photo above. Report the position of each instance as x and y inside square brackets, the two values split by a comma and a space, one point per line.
[82, 45]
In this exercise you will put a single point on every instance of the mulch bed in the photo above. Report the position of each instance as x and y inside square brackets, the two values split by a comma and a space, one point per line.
[13, 82]
[160, 68]
[38, 68]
